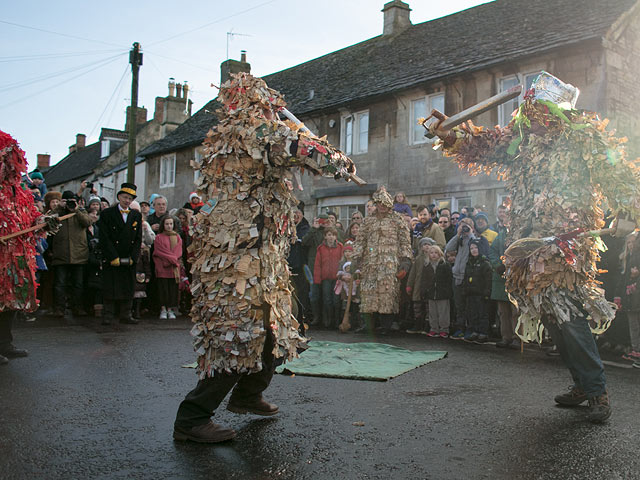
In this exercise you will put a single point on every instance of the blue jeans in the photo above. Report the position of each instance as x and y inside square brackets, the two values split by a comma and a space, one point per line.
[330, 304]
[579, 353]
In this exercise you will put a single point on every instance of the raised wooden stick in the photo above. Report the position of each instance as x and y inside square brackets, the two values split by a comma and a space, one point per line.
[33, 228]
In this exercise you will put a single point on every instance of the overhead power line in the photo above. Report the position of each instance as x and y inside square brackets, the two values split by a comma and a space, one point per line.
[47, 56]
[64, 82]
[211, 23]
[59, 34]
[111, 97]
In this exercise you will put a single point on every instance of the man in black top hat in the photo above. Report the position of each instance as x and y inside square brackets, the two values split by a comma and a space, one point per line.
[120, 240]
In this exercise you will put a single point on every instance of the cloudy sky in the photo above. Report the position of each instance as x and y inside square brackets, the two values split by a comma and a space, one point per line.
[65, 63]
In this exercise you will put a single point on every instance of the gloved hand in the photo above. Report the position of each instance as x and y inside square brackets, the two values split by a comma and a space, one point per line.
[115, 262]
[52, 224]
[401, 274]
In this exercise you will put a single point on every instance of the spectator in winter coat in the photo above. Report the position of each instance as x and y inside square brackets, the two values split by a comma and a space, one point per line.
[325, 274]
[507, 311]
[195, 203]
[37, 180]
[631, 293]
[167, 256]
[444, 222]
[297, 260]
[70, 252]
[427, 228]
[415, 285]
[482, 227]
[437, 289]
[310, 243]
[400, 204]
[476, 290]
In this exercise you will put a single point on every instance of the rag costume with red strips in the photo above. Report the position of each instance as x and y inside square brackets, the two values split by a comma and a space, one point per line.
[18, 212]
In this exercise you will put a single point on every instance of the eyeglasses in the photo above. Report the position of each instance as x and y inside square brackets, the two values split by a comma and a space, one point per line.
[455, 218]
[443, 221]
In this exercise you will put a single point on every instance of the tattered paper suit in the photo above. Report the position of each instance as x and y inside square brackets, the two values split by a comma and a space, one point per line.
[563, 170]
[241, 236]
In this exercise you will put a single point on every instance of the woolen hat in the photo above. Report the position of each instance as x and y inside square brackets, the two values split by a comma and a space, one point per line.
[427, 241]
[52, 195]
[94, 200]
[129, 188]
[36, 175]
[193, 195]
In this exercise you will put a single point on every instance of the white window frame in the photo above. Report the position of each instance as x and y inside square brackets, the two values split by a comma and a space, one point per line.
[504, 116]
[456, 201]
[352, 144]
[197, 157]
[168, 178]
[413, 117]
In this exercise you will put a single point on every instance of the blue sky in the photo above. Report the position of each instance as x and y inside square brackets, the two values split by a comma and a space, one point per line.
[66, 69]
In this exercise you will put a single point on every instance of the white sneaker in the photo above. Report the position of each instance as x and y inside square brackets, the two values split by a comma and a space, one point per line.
[163, 315]
[172, 316]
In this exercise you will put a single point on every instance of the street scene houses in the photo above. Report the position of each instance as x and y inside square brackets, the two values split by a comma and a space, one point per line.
[368, 97]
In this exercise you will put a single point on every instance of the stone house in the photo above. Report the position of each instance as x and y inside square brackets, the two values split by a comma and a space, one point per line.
[367, 97]
[105, 162]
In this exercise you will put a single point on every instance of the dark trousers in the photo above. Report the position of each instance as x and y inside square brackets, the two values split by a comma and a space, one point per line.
[67, 282]
[118, 308]
[6, 321]
[168, 292]
[461, 308]
[301, 287]
[477, 314]
[330, 304]
[579, 353]
[201, 402]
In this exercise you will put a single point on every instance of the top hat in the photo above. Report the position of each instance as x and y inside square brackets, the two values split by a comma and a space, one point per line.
[129, 188]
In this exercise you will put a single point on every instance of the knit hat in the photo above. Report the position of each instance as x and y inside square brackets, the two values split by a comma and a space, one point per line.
[427, 241]
[480, 215]
[94, 200]
[348, 246]
[193, 195]
[36, 175]
[49, 196]
[474, 241]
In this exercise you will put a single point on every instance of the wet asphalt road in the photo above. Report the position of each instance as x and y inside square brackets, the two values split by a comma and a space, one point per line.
[99, 402]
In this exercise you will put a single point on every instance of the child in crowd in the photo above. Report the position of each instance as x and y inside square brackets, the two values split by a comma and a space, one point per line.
[476, 288]
[414, 288]
[437, 289]
[325, 274]
[346, 279]
[167, 256]
[450, 256]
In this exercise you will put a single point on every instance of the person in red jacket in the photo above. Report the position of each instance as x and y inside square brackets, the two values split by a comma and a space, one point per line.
[167, 256]
[325, 274]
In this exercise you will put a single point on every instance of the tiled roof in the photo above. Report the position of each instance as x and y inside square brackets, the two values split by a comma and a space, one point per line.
[191, 132]
[77, 164]
[474, 39]
[113, 133]
[486, 35]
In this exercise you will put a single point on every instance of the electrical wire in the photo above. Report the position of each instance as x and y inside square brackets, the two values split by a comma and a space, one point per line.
[106, 62]
[182, 61]
[47, 56]
[59, 34]
[212, 23]
[111, 97]
[47, 76]
[118, 95]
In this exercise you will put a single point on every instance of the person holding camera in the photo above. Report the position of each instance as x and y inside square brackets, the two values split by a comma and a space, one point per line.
[120, 240]
[70, 254]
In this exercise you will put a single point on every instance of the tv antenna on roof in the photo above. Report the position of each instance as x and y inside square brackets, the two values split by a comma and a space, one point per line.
[230, 35]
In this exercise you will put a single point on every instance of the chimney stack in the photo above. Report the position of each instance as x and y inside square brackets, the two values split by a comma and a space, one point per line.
[234, 66]
[396, 17]
[141, 117]
[172, 87]
[178, 90]
[159, 110]
[43, 161]
[81, 140]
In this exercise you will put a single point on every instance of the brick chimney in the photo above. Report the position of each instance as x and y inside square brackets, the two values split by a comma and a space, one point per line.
[396, 17]
[141, 117]
[81, 140]
[159, 109]
[234, 66]
[43, 161]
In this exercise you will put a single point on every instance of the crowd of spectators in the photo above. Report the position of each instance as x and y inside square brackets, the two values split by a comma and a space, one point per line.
[454, 289]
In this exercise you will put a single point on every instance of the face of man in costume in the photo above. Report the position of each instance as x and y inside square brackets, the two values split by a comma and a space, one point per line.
[125, 200]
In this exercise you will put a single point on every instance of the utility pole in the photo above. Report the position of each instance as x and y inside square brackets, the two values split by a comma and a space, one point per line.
[135, 59]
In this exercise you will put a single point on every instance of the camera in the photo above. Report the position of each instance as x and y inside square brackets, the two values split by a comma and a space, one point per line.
[466, 229]
[90, 186]
[71, 204]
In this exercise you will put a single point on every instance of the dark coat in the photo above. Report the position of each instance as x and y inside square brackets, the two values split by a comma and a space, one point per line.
[297, 257]
[69, 245]
[496, 251]
[94, 266]
[119, 240]
[437, 285]
[310, 242]
[477, 277]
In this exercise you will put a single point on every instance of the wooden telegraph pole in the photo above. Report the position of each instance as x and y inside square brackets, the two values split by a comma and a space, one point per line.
[135, 59]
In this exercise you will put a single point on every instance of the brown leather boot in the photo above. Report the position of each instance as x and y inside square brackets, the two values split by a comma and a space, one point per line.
[257, 407]
[599, 408]
[207, 433]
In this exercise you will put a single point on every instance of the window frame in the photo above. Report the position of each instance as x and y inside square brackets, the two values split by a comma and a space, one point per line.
[355, 119]
[197, 158]
[172, 182]
[520, 77]
[413, 118]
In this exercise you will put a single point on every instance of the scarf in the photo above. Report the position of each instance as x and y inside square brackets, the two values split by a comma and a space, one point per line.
[461, 258]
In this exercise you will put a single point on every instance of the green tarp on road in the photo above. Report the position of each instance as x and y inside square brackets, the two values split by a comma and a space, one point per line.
[359, 361]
